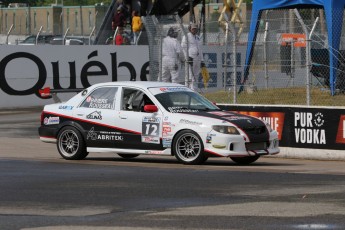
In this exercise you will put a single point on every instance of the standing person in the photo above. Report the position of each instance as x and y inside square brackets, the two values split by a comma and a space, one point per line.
[195, 56]
[136, 26]
[119, 19]
[119, 38]
[171, 56]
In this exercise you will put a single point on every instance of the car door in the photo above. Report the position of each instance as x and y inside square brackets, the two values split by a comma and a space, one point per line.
[141, 130]
[96, 114]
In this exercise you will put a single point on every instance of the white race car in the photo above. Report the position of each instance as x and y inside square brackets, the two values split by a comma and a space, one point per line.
[156, 118]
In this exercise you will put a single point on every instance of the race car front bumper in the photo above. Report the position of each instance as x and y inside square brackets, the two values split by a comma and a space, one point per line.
[236, 146]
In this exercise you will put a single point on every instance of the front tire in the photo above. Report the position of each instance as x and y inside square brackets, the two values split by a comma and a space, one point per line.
[70, 144]
[188, 148]
[245, 160]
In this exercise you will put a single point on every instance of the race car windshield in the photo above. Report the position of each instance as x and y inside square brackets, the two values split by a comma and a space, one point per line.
[185, 101]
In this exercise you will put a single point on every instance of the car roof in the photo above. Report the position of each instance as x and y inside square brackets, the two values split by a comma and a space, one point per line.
[140, 84]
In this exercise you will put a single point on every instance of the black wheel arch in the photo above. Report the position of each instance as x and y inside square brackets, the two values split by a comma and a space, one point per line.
[176, 134]
[72, 124]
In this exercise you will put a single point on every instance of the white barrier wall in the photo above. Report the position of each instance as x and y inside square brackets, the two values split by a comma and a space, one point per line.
[26, 69]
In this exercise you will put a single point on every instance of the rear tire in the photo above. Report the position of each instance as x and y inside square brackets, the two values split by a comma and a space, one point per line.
[188, 148]
[128, 156]
[245, 160]
[71, 144]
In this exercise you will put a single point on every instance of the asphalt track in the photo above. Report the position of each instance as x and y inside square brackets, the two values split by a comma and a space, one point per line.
[40, 190]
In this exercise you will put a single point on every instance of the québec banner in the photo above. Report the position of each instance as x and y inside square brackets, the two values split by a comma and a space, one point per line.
[26, 69]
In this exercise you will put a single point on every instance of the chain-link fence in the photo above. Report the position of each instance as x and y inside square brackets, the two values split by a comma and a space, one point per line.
[289, 63]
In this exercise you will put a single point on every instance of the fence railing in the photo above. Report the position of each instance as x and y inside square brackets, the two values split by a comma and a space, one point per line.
[289, 63]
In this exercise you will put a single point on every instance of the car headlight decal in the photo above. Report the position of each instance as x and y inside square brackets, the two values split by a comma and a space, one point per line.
[225, 129]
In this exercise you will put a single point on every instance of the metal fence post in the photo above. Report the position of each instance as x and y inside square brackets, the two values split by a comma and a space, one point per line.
[225, 64]
[307, 58]
[64, 37]
[91, 34]
[234, 61]
[8, 34]
[38, 34]
[186, 58]
[265, 55]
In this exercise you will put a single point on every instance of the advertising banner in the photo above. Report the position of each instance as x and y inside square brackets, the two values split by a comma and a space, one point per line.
[298, 127]
[26, 69]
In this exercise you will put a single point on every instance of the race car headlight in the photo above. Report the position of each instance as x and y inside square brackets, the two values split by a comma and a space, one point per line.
[225, 129]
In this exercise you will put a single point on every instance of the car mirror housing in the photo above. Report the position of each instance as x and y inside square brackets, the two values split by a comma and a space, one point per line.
[150, 108]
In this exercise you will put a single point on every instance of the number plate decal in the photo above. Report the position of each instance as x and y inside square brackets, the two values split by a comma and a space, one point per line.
[150, 130]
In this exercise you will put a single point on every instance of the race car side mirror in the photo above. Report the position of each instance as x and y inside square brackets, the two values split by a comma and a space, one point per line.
[45, 93]
[150, 108]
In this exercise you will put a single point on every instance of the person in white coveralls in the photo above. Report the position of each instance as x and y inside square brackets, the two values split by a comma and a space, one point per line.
[195, 56]
[172, 55]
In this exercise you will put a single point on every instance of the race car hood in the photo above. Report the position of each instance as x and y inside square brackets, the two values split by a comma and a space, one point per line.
[253, 127]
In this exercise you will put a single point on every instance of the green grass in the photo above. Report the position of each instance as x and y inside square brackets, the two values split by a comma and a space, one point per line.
[281, 96]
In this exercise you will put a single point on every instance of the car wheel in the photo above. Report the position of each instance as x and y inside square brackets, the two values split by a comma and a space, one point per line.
[70, 144]
[128, 156]
[188, 148]
[245, 160]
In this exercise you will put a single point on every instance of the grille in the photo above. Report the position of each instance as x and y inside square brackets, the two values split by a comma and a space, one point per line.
[256, 146]
[255, 129]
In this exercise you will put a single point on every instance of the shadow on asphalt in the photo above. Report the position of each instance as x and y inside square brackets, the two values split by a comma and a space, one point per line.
[173, 161]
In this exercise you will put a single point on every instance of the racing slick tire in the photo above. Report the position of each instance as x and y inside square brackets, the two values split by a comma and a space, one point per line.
[71, 144]
[188, 148]
[128, 156]
[245, 160]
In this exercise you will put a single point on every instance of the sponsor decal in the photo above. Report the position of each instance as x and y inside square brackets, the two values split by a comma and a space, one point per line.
[235, 118]
[103, 136]
[152, 119]
[166, 142]
[153, 152]
[150, 139]
[184, 121]
[99, 103]
[309, 128]
[166, 129]
[66, 107]
[221, 113]
[51, 120]
[96, 115]
[172, 89]
[181, 110]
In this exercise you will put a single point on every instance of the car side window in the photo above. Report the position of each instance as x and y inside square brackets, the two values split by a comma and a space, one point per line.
[101, 98]
[132, 99]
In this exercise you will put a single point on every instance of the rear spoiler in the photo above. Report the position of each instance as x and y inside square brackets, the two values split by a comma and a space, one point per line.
[47, 93]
